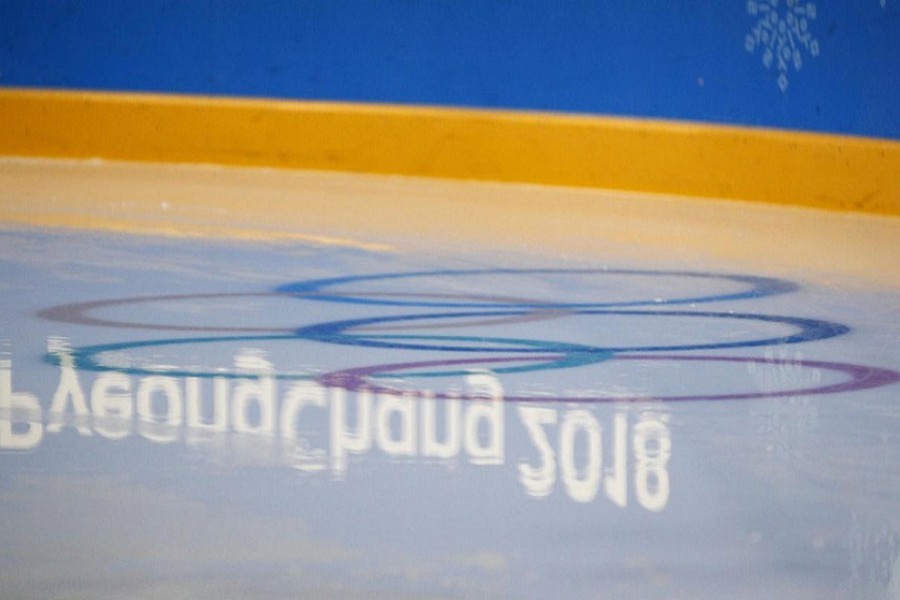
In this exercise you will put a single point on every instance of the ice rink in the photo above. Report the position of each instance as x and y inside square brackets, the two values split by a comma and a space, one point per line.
[235, 382]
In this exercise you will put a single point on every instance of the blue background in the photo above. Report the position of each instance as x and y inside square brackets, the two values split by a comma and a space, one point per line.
[684, 59]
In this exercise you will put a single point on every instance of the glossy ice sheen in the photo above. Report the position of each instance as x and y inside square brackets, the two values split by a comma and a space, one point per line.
[177, 421]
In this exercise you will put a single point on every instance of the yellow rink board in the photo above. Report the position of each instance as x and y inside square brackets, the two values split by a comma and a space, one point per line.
[688, 159]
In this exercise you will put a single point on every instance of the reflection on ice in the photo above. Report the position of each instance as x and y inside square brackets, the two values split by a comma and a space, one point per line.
[651, 450]
[314, 428]
[875, 555]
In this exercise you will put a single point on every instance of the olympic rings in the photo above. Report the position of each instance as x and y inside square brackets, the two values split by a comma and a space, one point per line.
[525, 354]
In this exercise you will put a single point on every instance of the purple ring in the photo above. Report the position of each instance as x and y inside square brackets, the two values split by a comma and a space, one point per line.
[78, 312]
[862, 377]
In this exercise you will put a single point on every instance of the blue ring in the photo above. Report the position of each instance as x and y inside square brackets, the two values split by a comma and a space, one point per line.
[759, 288]
[84, 358]
[574, 355]
[334, 333]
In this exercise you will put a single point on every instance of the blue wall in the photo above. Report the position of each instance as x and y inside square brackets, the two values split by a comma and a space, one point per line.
[682, 59]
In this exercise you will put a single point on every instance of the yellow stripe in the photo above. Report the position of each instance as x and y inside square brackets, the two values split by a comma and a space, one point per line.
[825, 171]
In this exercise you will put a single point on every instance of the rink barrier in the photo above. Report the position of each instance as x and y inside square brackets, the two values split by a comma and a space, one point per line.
[682, 158]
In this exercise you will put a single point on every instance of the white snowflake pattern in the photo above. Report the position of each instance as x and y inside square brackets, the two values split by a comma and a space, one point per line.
[782, 34]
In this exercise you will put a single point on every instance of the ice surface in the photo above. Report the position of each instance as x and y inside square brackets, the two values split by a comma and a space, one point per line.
[196, 417]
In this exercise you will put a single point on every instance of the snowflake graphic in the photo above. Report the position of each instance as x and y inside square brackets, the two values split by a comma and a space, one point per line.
[782, 34]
